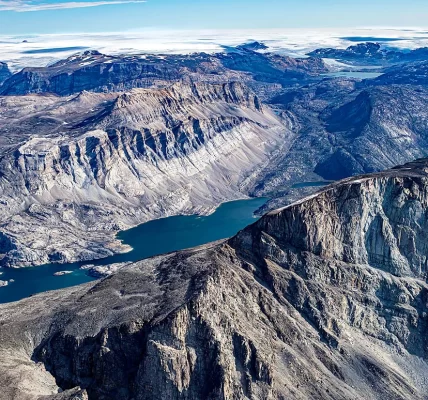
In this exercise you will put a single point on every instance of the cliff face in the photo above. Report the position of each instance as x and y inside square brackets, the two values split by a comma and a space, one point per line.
[326, 298]
[130, 158]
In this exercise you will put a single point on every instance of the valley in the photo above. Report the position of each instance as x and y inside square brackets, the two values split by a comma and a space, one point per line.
[146, 240]
[325, 298]
[304, 182]
[104, 155]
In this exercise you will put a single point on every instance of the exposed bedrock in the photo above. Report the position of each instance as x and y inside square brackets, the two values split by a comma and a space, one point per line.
[141, 155]
[326, 298]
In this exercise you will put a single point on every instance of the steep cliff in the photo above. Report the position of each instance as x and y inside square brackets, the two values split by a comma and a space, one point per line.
[326, 298]
[75, 170]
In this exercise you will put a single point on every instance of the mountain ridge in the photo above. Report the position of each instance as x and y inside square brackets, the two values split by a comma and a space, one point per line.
[270, 313]
[135, 156]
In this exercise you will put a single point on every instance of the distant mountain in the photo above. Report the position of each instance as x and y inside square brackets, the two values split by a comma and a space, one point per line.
[324, 299]
[407, 74]
[253, 46]
[371, 53]
[93, 71]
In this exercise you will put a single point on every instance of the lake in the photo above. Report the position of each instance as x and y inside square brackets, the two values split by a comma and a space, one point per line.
[147, 240]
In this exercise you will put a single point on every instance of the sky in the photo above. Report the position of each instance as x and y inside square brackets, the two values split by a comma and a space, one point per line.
[26, 17]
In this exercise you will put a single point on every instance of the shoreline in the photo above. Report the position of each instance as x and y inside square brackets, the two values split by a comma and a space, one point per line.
[150, 239]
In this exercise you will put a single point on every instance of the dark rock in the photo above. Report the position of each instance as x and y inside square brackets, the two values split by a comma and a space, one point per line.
[372, 53]
[326, 298]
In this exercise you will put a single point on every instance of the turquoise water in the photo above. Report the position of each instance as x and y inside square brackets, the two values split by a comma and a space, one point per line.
[149, 239]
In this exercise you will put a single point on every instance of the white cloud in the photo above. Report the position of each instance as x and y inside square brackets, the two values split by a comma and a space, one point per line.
[39, 50]
[29, 5]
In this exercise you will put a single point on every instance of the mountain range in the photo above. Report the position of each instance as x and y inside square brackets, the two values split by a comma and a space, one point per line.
[323, 299]
[372, 53]
[76, 169]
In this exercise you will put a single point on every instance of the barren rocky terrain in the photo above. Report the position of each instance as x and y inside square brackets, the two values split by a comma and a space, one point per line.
[325, 298]
[86, 151]
[75, 170]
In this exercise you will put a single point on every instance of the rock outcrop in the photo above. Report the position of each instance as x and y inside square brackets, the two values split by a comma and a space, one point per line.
[99, 163]
[326, 298]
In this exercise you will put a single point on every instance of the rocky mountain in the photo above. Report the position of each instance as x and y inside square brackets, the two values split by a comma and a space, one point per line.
[323, 299]
[76, 170]
[254, 46]
[408, 74]
[372, 53]
[4, 72]
[93, 71]
[342, 128]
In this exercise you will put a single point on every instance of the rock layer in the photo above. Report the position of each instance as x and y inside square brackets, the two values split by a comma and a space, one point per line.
[134, 156]
[326, 298]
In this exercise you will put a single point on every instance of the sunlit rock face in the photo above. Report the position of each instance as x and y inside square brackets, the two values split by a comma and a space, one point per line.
[75, 170]
[326, 298]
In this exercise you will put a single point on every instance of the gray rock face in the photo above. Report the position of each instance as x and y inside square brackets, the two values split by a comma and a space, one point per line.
[326, 298]
[99, 163]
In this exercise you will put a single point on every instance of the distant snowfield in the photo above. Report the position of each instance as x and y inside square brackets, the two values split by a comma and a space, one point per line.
[40, 50]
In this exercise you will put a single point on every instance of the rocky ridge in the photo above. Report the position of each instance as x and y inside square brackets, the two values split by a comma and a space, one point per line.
[326, 298]
[372, 53]
[342, 128]
[93, 71]
[415, 73]
[70, 185]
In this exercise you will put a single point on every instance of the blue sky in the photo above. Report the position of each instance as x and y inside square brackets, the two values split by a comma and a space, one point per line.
[67, 16]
